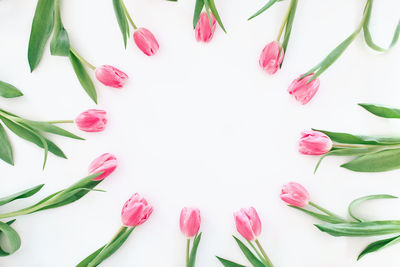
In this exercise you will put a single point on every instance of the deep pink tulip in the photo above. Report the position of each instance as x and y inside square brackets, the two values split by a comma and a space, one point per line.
[295, 194]
[110, 76]
[203, 31]
[303, 91]
[314, 143]
[105, 163]
[248, 224]
[136, 211]
[189, 222]
[146, 41]
[92, 120]
[271, 57]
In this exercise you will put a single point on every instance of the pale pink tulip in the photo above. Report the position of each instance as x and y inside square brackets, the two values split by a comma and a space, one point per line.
[190, 221]
[314, 143]
[110, 76]
[91, 120]
[105, 163]
[271, 57]
[295, 194]
[302, 90]
[248, 224]
[136, 211]
[203, 31]
[146, 41]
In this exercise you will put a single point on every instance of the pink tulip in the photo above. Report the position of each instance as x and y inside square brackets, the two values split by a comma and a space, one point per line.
[190, 221]
[248, 224]
[295, 194]
[92, 120]
[106, 163]
[271, 57]
[136, 211]
[303, 91]
[110, 76]
[146, 41]
[203, 31]
[314, 143]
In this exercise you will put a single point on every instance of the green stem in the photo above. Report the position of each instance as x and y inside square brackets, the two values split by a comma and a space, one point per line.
[263, 253]
[351, 145]
[82, 59]
[256, 250]
[127, 14]
[326, 211]
[187, 251]
[61, 121]
[284, 22]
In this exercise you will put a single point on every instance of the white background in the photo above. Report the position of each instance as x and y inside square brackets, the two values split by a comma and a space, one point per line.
[200, 125]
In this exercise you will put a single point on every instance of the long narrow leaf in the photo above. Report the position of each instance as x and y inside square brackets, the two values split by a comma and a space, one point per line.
[121, 18]
[249, 255]
[214, 10]
[193, 253]
[360, 200]
[227, 263]
[382, 111]
[6, 152]
[197, 11]
[23, 194]
[381, 161]
[372, 228]
[88, 259]
[319, 216]
[50, 128]
[378, 245]
[9, 91]
[289, 24]
[264, 8]
[59, 44]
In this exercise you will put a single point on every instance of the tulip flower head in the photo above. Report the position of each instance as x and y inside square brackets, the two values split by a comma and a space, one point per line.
[295, 194]
[190, 222]
[203, 31]
[271, 57]
[105, 163]
[302, 90]
[92, 120]
[248, 224]
[146, 41]
[136, 211]
[111, 76]
[314, 143]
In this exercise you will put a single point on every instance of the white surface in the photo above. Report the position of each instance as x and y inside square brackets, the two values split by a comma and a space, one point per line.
[201, 125]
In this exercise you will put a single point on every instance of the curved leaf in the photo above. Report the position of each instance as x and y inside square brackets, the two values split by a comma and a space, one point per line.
[121, 18]
[9, 91]
[59, 44]
[360, 200]
[6, 152]
[289, 24]
[382, 111]
[249, 255]
[23, 194]
[264, 8]
[371, 228]
[197, 11]
[319, 216]
[214, 10]
[42, 26]
[378, 245]
[12, 238]
[193, 253]
[227, 263]
[385, 160]
[50, 128]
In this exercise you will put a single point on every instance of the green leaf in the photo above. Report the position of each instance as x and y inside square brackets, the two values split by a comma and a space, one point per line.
[9, 91]
[382, 111]
[347, 152]
[50, 128]
[12, 239]
[249, 255]
[193, 253]
[23, 194]
[59, 44]
[111, 247]
[83, 77]
[213, 8]
[197, 11]
[121, 18]
[264, 8]
[6, 152]
[378, 245]
[42, 26]
[319, 216]
[371, 228]
[227, 263]
[88, 259]
[345, 138]
[385, 160]
[27, 135]
[360, 200]
[289, 24]
[368, 37]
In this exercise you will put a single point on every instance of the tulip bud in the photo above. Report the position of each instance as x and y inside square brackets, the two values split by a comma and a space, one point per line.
[303, 91]
[190, 222]
[295, 194]
[314, 143]
[110, 76]
[146, 41]
[248, 224]
[271, 57]
[91, 120]
[203, 31]
[105, 163]
[136, 211]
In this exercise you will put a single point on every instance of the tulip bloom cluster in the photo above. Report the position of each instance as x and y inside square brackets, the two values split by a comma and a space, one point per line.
[298, 197]
[189, 224]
